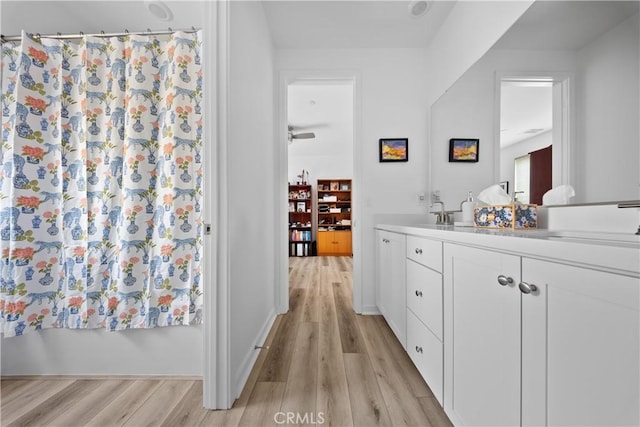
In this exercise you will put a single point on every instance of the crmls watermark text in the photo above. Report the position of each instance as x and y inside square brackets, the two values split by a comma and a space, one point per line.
[298, 418]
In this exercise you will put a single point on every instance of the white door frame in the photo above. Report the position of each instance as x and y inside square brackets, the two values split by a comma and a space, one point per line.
[215, 331]
[563, 120]
[281, 248]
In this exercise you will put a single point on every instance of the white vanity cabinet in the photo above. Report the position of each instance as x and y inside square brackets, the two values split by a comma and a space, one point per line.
[531, 342]
[481, 337]
[580, 346]
[424, 310]
[391, 281]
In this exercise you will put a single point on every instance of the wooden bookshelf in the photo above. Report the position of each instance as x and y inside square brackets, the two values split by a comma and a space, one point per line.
[300, 220]
[334, 217]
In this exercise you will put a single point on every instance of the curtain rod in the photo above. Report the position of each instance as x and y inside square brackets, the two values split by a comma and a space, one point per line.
[101, 34]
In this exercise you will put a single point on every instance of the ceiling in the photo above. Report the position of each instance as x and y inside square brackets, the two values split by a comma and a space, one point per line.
[525, 111]
[353, 24]
[324, 108]
[93, 16]
[294, 24]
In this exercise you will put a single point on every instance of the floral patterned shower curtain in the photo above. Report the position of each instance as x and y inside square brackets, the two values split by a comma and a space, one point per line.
[101, 183]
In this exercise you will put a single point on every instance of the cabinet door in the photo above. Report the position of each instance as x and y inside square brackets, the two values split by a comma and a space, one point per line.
[324, 242]
[482, 337]
[580, 346]
[342, 241]
[391, 282]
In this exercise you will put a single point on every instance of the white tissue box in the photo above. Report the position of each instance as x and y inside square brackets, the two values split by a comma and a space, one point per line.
[513, 216]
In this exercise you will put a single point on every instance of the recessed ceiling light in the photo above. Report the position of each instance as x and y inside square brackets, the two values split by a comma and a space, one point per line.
[159, 9]
[418, 8]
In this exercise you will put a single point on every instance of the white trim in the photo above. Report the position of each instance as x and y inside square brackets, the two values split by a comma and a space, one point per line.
[285, 78]
[249, 361]
[216, 384]
[563, 120]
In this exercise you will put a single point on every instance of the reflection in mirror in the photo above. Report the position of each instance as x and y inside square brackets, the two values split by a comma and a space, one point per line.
[528, 142]
[598, 154]
[589, 52]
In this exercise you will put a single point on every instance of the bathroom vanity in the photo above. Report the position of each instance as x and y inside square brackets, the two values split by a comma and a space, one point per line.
[529, 328]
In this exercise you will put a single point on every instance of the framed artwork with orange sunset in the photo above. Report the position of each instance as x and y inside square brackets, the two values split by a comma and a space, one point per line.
[464, 150]
[394, 150]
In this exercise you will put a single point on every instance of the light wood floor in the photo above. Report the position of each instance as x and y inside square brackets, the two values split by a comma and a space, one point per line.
[325, 365]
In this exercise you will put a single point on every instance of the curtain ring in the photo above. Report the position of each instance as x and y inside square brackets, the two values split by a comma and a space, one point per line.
[170, 30]
[38, 36]
[102, 32]
[82, 33]
[126, 31]
[149, 31]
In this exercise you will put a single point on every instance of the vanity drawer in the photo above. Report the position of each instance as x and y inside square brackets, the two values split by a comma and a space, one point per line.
[425, 251]
[426, 352]
[424, 296]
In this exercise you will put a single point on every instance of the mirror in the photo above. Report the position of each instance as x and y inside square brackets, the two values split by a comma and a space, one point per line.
[589, 52]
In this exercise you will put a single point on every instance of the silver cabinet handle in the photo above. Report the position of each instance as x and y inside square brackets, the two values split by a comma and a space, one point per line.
[419, 251]
[419, 293]
[527, 288]
[385, 240]
[418, 349]
[504, 280]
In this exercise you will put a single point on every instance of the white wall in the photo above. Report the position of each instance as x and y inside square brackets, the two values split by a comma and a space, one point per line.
[391, 99]
[608, 128]
[468, 110]
[251, 149]
[519, 149]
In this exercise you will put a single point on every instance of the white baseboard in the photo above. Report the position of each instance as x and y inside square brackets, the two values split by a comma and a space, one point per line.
[370, 310]
[247, 364]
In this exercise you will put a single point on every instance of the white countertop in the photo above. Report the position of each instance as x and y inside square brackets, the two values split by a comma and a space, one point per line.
[611, 252]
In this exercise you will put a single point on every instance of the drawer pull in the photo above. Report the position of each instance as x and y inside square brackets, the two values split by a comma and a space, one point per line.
[385, 240]
[504, 280]
[419, 293]
[419, 251]
[418, 349]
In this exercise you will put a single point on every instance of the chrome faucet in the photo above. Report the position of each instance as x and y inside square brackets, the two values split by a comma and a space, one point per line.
[443, 217]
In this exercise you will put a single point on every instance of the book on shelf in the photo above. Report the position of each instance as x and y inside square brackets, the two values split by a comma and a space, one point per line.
[300, 236]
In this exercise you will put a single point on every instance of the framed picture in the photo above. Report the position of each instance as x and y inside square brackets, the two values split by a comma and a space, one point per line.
[344, 187]
[464, 150]
[335, 186]
[301, 207]
[394, 150]
[505, 186]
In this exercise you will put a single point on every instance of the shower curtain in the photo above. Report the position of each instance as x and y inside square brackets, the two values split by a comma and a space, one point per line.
[101, 183]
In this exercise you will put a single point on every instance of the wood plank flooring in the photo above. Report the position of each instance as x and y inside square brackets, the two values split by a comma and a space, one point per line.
[325, 365]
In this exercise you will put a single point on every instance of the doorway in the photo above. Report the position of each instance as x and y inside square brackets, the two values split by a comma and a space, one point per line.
[323, 108]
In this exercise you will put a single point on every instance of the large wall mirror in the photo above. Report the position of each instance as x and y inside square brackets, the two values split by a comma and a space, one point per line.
[565, 76]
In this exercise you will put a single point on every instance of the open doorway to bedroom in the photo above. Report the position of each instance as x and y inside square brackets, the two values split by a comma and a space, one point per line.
[320, 183]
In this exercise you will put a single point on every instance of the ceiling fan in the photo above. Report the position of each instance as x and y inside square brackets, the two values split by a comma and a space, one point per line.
[303, 135]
